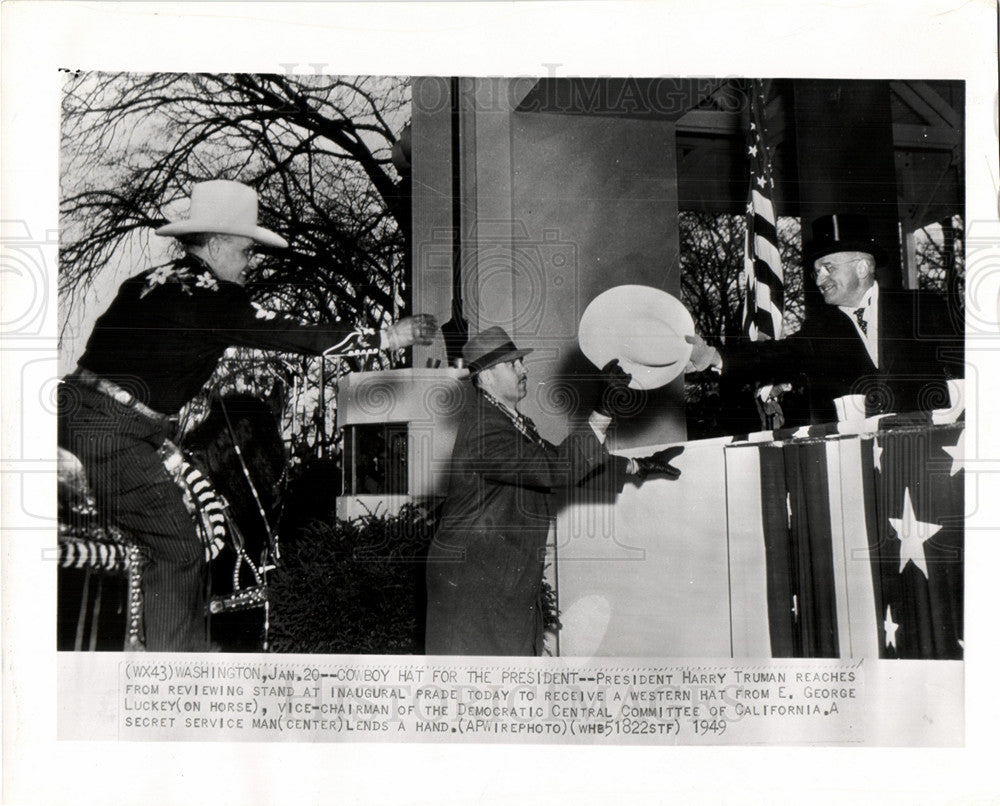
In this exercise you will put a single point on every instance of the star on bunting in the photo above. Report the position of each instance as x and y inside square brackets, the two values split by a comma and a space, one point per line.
[890, 628]
[912, 536]
[957, 453]
[877, 454]
[752, 151]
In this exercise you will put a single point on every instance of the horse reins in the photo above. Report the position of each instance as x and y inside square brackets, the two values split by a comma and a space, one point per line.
[272, 541]
[271, 538]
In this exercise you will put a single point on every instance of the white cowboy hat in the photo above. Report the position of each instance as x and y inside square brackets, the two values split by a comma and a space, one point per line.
[644, 328]
[226, 207]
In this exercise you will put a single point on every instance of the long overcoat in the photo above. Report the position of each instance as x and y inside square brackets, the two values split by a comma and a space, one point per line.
[486, 563]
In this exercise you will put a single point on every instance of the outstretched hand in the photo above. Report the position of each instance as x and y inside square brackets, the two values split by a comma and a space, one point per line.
[614, 387]
[417, 329]
[703, 355]
[659, 463]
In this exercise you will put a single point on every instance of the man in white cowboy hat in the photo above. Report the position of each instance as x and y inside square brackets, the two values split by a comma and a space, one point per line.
[484, 568]
[149, 353]
[895, 347]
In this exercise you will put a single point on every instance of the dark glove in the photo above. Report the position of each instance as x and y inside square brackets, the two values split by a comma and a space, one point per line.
[614, 388]
[659, 463]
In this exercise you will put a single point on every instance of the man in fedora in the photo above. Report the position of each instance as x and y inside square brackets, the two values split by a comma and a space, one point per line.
[149, 353]
[896, 347]
[484, 568]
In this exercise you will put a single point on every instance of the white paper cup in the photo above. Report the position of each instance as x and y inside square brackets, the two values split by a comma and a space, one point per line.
[956, 394]
[850, 408]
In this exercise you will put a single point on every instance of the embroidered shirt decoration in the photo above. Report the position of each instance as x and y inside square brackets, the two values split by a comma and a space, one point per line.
[523, 424]
[181, 274]
[260, 312]
[207, 280]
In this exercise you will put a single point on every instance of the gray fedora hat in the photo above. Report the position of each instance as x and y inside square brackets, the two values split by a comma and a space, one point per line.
[491, 347]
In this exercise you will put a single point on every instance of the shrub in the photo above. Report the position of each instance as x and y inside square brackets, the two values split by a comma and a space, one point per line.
[354, 587]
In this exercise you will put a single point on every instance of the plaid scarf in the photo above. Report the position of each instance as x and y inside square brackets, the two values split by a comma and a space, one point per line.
[523, 424]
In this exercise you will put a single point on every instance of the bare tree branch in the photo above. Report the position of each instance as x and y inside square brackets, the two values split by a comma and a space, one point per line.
[316, 148]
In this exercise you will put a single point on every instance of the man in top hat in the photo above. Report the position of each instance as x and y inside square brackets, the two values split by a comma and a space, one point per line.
[484, 568]
[896, 347]
[149, 353]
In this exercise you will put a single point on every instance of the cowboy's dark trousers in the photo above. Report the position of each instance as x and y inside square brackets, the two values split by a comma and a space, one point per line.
[118, 448]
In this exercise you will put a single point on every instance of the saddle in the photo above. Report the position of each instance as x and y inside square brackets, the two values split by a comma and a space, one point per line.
[88, 542]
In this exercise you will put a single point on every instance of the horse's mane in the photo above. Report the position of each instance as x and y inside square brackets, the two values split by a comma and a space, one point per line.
[256, 431]
[238, 406]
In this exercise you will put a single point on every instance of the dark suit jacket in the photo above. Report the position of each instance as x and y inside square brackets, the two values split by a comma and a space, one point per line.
[485, 566]
[919, 348]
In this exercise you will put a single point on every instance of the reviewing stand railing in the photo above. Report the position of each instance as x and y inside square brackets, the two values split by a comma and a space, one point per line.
[843, 540]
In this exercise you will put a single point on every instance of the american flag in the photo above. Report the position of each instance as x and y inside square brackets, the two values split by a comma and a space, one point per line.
[762, 278]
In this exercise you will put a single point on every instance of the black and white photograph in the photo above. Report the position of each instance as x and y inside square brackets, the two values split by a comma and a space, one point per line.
[546, 402]
[269, 444]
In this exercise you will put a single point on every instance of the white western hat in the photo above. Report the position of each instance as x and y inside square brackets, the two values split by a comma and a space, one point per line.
[225, 207]
[644, 328]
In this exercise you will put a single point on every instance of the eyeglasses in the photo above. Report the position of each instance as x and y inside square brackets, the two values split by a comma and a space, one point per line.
[829, 266]
[249, 251]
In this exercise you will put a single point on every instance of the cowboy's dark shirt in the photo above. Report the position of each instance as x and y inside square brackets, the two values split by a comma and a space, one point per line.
[164, 333]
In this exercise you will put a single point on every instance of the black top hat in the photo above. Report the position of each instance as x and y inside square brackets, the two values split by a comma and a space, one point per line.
[842, 233]
[491, 347]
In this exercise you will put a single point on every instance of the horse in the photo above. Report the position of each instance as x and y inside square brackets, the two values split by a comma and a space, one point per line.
[230, 468]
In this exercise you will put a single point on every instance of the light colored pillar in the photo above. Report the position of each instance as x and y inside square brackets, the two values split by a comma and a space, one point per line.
[432, 241]
[566, 206]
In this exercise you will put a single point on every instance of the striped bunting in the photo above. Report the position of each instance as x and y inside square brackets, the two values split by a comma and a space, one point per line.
[848, 544]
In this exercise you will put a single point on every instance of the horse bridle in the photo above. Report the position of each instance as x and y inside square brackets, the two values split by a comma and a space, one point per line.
[272, 538]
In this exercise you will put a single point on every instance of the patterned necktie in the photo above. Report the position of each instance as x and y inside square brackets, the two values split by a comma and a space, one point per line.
[859, 314]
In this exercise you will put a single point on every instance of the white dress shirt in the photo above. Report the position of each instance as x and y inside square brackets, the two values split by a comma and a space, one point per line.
[870, 305]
